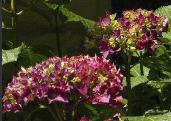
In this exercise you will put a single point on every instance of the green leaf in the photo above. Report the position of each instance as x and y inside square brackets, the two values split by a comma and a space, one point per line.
[29, 57]
[156, 84]
[58, 2]
[72, 17]
[166, 36]
[162, 63]
[137, 78]
[65, 16]
[135, 70]
[164, 11]
[11, 55]
[41, 106]
[124, 101]
[51, 6]
[160, 50]
[20, 12]
[3, 25]
[97, 112]
[91, 108]
[5, 10]
[160, 68]
[161, 117]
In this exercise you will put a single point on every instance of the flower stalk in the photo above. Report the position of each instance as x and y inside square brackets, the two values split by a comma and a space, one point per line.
[59, 49]
[128, 75]
[141, 64]
[13, 19]
[53, 114]
[59, 112]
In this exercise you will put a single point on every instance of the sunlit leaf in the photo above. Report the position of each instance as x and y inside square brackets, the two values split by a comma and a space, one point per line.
[164, 11]
[42, 106]
[135, 70]
[166, 36]
[11, 55]
[160, 50]
[161, 117]
[3, 25]
[136, 77]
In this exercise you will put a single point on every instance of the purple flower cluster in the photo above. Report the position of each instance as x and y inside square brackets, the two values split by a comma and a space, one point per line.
[136, 30]
[93, 79]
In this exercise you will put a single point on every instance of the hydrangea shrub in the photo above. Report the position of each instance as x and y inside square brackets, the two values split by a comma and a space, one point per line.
[91, 79]
[136, 30]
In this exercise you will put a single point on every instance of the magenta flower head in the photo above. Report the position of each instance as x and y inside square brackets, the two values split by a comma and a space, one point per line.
[104, 21]
[125, 23]
[165, 25]
[116, 34]
[153, 18]
[94, 79]
[106, 49]
[142, 43]
[137, 30]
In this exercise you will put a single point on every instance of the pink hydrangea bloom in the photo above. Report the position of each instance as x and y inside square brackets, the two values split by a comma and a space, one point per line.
[94, 79]
[139, 29]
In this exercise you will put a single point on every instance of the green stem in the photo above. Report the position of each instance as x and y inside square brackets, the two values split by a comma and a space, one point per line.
[52, 113]
[58, 112]
[59, 50]
[20, 116]
[13, 19]
[128, 76]
[64, 111]
[75, 109]
[12, 5]
[141, 69]
[13, 22]
[74, 113]
[141, 65]
[127, 60]
[28, 117]
[5, 10]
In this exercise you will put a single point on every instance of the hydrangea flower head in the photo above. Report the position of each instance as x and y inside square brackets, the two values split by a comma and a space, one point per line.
[139, 29]
[94, 79]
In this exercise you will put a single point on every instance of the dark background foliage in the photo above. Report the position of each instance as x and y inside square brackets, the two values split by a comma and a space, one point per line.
[36, 29]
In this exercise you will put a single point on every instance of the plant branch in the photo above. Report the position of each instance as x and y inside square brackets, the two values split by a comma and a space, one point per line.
[27, 118]
[52, 113]
[13, 19]
[141, 65]
[59, 50]
[128, 75]
[7, 11]
[58, 112]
